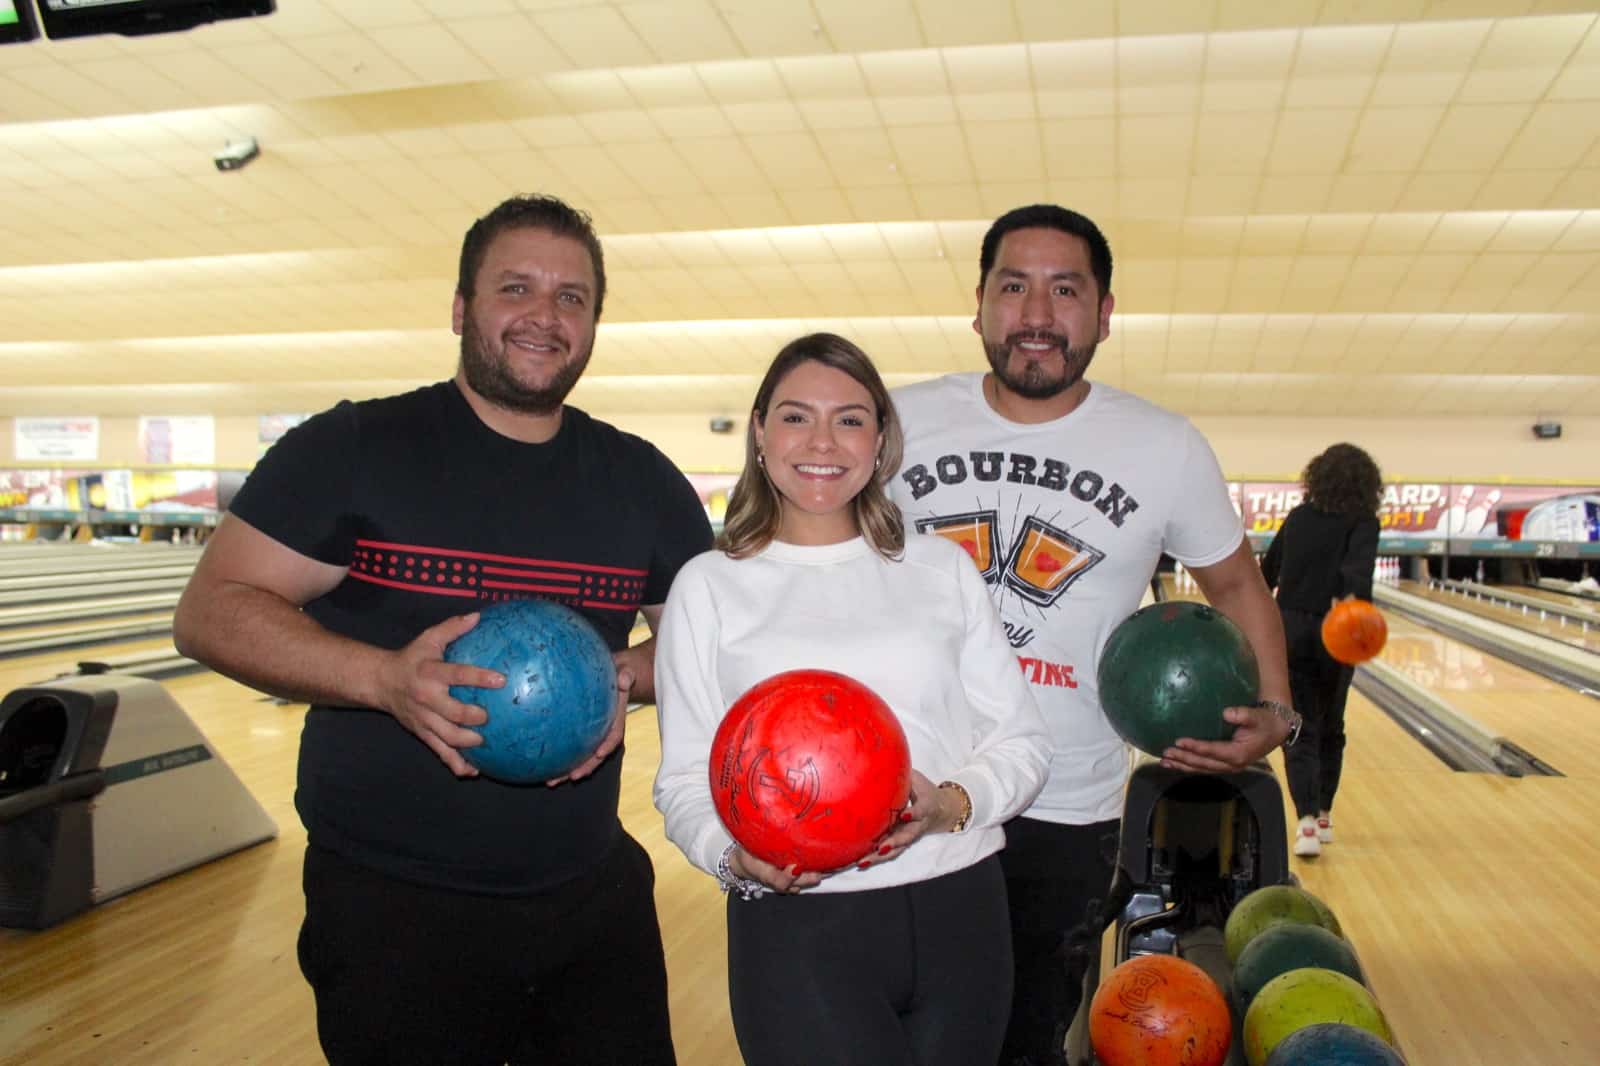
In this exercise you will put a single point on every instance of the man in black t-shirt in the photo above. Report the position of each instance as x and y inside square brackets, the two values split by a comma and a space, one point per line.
[451, 918]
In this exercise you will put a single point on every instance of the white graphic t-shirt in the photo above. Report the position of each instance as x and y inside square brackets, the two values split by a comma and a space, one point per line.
[1066, 521]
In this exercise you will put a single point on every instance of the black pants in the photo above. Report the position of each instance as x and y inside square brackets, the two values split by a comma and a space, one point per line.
[1319, 686]
[917, 975]
[405, 974]
[1057, 879]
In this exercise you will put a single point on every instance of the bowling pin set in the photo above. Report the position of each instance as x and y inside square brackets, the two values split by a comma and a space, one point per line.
[1386, 570]
[1182, 580]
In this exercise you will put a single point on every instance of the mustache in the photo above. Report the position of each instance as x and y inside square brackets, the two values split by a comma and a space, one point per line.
[1023, 336]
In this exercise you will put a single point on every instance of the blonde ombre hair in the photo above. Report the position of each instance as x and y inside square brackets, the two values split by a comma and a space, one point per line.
[755, 507]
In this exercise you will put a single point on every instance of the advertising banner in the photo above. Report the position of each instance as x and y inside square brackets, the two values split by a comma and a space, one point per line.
[1438, 510]
[43, 440]
[169, 491]
[181, 440]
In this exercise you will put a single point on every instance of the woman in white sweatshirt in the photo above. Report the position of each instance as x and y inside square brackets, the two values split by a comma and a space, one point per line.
[904, 957]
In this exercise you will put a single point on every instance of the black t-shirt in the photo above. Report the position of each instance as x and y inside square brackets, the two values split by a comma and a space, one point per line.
[1320, 556]
[434, 514]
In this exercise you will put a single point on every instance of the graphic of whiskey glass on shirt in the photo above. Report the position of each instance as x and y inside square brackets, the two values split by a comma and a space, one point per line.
[1042, 560]
[1045, 560]
[975, 532]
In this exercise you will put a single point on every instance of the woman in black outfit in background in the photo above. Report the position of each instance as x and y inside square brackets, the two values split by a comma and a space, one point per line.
[1324, 552]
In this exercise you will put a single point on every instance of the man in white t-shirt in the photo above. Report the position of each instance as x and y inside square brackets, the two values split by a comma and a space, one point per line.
[1066, 494]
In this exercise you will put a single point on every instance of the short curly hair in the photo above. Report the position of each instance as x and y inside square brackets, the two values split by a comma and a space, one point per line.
[1344, 479]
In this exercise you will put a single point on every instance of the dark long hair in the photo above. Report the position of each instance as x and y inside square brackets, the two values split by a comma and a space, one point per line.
[755, 507]
[1343, 480]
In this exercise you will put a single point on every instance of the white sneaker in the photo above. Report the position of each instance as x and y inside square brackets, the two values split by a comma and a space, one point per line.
[1306, 844]
[1325, 828]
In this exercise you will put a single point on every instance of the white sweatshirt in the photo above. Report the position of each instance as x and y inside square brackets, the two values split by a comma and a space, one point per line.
[921, 632]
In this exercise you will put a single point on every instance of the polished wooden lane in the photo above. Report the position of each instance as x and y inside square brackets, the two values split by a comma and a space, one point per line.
[1558, 724]
[1576, 634]
[1584, 604]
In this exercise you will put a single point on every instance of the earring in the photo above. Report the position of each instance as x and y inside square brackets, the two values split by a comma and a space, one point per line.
[877, 462]
[761, 458]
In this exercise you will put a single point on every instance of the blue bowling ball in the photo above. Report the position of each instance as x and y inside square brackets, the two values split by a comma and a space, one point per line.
[559, 696]
[1333, 1044]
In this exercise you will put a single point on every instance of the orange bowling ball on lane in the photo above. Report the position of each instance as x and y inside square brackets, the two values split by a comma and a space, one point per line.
[1354, 631]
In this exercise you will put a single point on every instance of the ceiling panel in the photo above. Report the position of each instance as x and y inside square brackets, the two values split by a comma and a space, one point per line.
[1322, 205]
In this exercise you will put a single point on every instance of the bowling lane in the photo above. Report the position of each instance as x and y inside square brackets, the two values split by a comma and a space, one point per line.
[34, 668]
[1589, 607]
[83, 638]
[1558, 724]
[1464, 892]
[1558, 628]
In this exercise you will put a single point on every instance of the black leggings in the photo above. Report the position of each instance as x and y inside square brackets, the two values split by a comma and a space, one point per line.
[410, 975]
[917, 975]
[1319, 687]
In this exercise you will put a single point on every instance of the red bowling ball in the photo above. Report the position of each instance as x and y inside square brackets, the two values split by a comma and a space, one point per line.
[809, 768]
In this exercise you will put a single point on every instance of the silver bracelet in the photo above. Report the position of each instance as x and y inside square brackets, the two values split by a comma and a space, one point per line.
[745, 887]
[1288, 714]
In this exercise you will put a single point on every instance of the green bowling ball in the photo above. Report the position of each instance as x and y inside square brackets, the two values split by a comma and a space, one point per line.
[1170, 669]
[1270, 906]
[1300, 998]
[1290, 946]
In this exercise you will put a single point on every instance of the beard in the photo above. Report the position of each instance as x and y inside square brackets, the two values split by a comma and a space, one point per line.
[1032, 381]
[489, 374]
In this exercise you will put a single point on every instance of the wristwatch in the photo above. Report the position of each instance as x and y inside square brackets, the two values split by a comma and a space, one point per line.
[1288, 714]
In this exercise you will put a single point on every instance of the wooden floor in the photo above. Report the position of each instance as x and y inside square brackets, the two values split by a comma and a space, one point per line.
[1469, 898]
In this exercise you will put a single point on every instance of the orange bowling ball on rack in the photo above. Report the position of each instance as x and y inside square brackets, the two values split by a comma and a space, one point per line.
[1354, 631]
[1159, 1010]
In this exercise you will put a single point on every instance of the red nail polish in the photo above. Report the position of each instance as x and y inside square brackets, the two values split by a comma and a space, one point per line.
[863, 864]
[884, 850]
[905, 816]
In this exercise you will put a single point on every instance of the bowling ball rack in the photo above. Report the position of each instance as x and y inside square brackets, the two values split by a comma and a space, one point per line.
[1192, 846]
